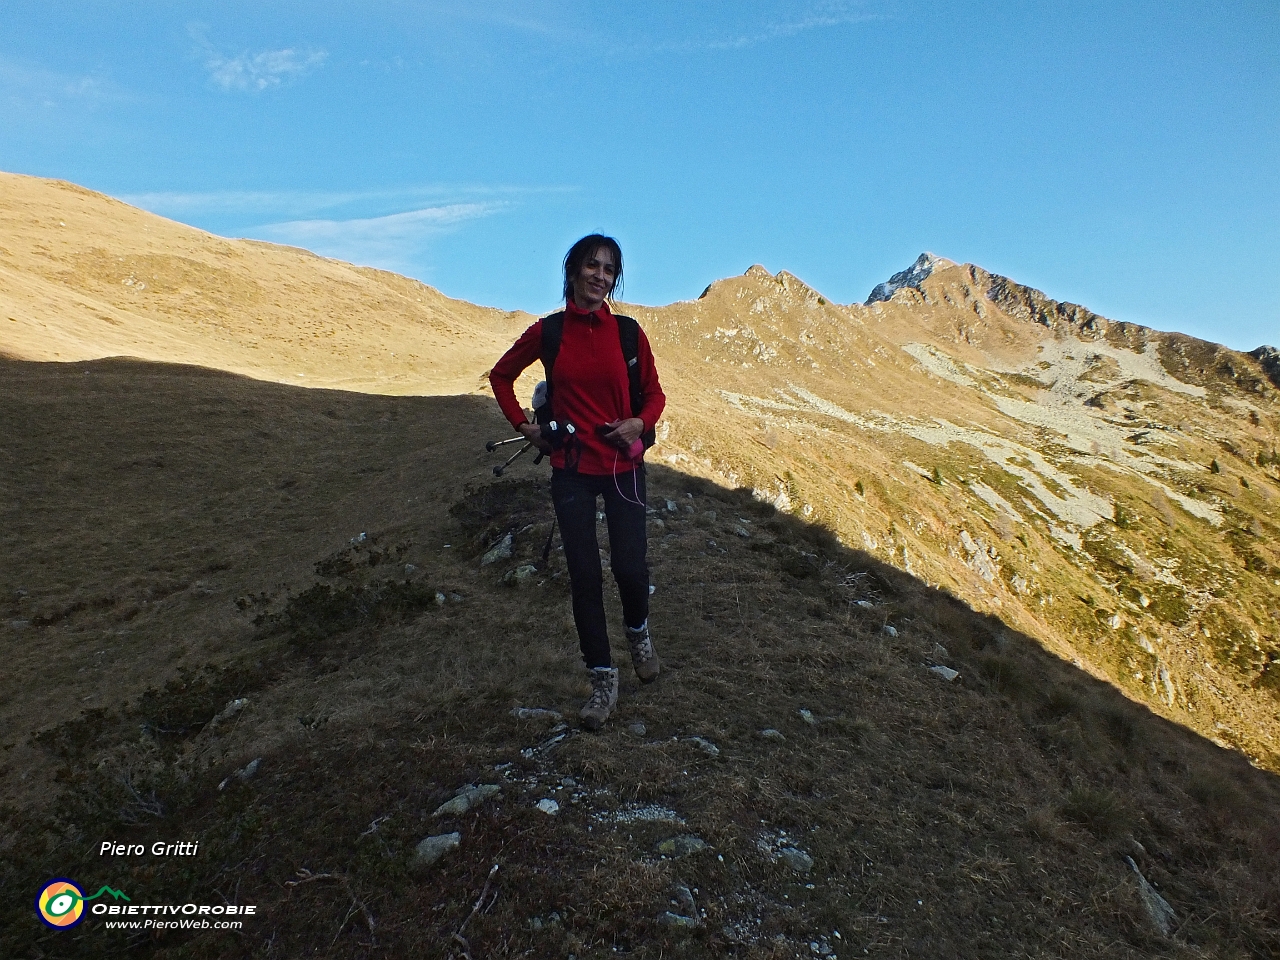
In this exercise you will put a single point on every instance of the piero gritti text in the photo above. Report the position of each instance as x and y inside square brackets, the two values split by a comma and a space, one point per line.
[161, 848]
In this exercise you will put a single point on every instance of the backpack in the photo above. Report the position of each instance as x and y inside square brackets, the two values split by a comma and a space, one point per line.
[628, 336]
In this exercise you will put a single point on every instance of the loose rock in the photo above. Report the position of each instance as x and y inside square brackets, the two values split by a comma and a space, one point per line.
[797, 860]
[229, 711]
[536, 713]
[684, 901]
[946, 673]
[681, 846]
[433, 848]
[1158, 910]
[772, 734]
[889, 630]
[807, 716]
[669, 919]
[548, 806]
[467, 797]
[244, 773]
[499, 551]
[521, 574]
[706, 746]
[638, 729]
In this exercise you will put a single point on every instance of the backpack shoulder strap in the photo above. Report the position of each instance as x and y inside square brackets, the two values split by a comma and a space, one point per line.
[629, 335]
[552, 328]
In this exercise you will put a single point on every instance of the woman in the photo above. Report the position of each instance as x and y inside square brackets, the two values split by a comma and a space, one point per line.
[604, 417]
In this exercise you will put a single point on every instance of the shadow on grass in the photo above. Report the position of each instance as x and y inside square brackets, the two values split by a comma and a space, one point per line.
[985, 816]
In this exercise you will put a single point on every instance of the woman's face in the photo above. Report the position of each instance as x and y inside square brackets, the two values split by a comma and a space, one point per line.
[595, 280]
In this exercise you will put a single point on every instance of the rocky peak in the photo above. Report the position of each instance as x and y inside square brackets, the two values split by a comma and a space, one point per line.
[913, 276]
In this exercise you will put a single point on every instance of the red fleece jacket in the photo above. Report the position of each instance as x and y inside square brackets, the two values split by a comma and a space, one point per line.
[590, 384]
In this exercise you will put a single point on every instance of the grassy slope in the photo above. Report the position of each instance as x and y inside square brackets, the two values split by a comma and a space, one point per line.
[985, 817]
[1178, 612]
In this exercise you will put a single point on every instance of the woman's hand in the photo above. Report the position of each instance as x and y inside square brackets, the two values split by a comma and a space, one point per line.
[625, 432]
[533, 433]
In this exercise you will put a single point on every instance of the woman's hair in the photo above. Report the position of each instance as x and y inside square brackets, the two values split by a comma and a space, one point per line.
[578, 254]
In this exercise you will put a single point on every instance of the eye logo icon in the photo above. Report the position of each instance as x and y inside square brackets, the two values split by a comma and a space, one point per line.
[60, 904]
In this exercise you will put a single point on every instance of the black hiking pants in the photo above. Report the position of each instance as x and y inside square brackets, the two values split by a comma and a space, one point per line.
[574, 495]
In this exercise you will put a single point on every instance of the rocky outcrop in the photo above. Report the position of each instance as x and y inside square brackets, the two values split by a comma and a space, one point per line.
[1027, 303]
[1269, 358]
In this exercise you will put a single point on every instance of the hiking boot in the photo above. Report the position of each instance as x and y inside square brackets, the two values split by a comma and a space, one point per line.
[643, 657]
[604, 697]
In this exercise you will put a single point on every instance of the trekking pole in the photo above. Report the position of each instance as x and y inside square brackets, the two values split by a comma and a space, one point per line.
[493, 445]
[546, 551]
[497, 471]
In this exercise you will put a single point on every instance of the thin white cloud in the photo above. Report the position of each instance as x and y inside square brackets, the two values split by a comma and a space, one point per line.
[393, 242]
[22, 85]
[288, 203]
[309, 204]
[261, 71]
[788, 28]
[811, 17]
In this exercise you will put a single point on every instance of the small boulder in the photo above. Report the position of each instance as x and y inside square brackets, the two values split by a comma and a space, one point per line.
[521, 575]
[889, 630]
[536, 713]
[499, 551]
[230, 710]
[548, 806]
[466, 798]
[676, 921]
[946, 673]
[775, 735]
[1157, 907]
[433, 848]
[795, 859]
[453, 808]
[706, 746]
[681, 846]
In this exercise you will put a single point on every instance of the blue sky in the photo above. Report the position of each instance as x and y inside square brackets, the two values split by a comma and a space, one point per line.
[1122, 155]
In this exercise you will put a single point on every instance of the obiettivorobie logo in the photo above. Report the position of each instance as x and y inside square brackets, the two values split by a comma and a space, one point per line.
[61, 903]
